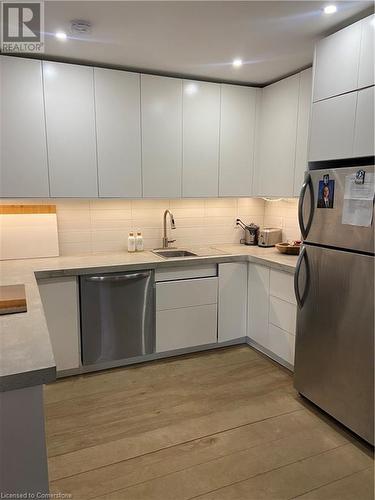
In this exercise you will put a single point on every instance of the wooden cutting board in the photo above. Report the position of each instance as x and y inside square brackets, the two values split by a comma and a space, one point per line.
[28, 231]
[12, 299]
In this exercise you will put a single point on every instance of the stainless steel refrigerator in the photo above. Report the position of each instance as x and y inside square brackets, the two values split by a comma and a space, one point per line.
[334, 287]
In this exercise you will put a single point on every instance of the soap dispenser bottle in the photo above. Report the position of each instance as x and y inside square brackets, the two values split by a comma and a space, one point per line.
[131, 242]
[139, 242]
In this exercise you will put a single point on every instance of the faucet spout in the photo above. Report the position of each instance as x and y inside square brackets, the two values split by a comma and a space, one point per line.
[166, 241]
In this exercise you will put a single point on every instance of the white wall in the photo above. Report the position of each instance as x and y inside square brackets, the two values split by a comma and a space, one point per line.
[90, 226]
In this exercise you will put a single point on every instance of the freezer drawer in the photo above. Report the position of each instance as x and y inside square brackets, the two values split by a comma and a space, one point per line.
[324, 226]
[334, 358]
[117, 316]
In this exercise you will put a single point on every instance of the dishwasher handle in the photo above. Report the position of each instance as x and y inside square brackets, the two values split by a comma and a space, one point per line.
[118, 277]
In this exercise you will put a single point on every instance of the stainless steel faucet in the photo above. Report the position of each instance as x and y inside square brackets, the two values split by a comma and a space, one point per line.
[166, 241]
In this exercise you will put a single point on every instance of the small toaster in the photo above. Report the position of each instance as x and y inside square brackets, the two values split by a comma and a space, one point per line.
[269, 236]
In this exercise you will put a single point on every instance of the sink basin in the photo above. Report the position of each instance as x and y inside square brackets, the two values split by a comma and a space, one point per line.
[170, 254]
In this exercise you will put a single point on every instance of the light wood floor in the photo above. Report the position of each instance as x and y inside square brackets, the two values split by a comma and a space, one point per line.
[225, 424]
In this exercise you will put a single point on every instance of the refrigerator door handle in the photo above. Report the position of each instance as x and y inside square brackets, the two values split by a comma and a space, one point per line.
[307, 183]
[301, 298]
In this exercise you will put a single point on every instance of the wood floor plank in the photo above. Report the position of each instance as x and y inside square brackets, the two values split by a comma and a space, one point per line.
[166, 461]
[303, 476]
[84, 459]
[359, 486]
[209, 425]
[229, 469]
[141, 375]
[62, 413]
[117, 420]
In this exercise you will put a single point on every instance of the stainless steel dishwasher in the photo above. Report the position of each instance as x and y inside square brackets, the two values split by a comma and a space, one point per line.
[117, 316]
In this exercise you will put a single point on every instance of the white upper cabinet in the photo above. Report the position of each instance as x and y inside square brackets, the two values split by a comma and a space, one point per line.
[118, 128]
[161, 104]
[336, 63]
[304, 110]
[367, 56]
[237, 139]
[70, 120]
[364, 124]
[201, 117]
[23, 161]
[276, 148]
[332, 128]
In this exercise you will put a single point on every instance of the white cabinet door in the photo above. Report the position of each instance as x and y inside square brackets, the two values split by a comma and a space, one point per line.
[23, 161]
[232, 301]
[258, 305]
[332, 128]
[118, 128]
[336, 63]
[60, 303]
[364, 135]
[367, 56]
[161, 103]
[201, 117]
[186, 327]
[70, 120]
[304, 111]
[276, 147]
[237, 139]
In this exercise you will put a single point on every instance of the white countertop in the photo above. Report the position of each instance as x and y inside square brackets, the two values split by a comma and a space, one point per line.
[25, 347]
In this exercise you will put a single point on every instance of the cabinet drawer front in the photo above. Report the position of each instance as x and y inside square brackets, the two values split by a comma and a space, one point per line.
[187, 327]
[281, 343]
[281, 286]
[283, 314]
[186, 293]
[185, 272]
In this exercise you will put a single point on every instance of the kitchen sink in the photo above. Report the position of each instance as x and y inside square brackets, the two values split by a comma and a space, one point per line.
[170, 254]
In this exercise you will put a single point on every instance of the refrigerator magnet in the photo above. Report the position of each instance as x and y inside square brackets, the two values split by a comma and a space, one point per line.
[326, 190]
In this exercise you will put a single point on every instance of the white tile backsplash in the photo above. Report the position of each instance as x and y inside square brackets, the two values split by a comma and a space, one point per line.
[283, 214]
[90, 226]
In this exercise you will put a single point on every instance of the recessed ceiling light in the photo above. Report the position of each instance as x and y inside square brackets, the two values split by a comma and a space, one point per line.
[330, 9]
[60, 35]
[237, 63]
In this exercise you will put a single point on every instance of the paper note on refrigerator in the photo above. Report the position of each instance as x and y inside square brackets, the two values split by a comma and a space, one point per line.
[358, 206]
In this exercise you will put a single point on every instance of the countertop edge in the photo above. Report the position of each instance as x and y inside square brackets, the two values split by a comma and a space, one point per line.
[27, 379]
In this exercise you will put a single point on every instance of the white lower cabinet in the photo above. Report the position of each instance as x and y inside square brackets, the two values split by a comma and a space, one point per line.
[186, 313]
[61, 309]
[232, 301]
[272, 311]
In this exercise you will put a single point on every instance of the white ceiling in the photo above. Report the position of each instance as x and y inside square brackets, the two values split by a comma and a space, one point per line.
[197, 39]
